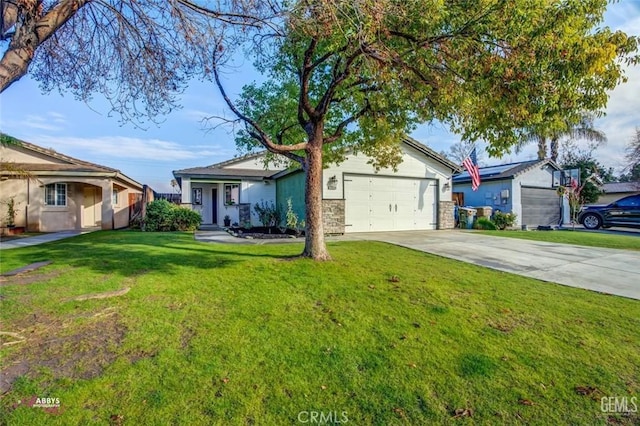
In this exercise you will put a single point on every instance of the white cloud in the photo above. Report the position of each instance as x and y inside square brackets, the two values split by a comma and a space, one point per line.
[57, 117]
[52, 122]
[137, 149]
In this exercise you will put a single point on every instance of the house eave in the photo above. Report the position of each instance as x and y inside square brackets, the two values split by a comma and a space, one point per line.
[82, 175]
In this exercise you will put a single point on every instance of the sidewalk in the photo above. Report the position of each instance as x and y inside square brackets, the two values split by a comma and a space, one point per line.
[39, 239]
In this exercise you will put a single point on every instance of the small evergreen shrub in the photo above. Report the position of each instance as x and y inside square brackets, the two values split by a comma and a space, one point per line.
[484, 223]
[163, 216]
[503, 220]
[185, 219]
[268, 215]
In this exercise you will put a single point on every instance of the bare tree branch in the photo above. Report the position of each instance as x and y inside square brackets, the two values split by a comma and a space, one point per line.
[343, 125]
[258, 133]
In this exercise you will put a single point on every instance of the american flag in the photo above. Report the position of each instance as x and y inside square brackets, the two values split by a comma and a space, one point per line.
[471, 164]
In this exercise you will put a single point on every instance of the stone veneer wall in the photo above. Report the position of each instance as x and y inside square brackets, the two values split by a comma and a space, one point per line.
[333, 216]
[445, 215]
[244, 214]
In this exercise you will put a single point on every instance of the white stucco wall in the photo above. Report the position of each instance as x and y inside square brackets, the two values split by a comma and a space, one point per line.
[253, 192]
[539, 176]
[256, 164]
[414, 164]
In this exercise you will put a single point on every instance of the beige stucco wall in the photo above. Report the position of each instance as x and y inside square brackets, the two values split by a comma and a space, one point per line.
[21, 155]
[36, 216]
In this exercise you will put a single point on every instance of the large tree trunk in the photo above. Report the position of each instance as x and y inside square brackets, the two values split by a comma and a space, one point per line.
[14, 65]
[314, 245]
[542, 148]
[29, 35]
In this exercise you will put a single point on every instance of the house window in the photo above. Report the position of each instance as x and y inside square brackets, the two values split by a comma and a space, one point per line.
[197, 196]
[55, 194]
[114, 198]
[231, 193]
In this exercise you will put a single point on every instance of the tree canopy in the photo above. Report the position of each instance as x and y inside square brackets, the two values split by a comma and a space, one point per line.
[345, 76]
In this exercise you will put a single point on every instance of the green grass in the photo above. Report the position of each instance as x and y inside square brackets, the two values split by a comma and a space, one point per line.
[581, 238]
[226, 334]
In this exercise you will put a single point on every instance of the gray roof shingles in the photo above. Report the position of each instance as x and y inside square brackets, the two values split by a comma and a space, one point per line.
[620, 187]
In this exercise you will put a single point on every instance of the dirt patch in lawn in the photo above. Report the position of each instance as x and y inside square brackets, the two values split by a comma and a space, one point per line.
[24, 279]
[81, 353]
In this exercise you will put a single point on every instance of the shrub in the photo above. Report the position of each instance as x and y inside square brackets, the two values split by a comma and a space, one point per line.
[185, 219]
[484, 223]
[503, 220]
[164, 216]
[268, 215]
[292, 219]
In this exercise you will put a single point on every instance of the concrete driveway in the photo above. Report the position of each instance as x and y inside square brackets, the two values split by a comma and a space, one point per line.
[605, 270]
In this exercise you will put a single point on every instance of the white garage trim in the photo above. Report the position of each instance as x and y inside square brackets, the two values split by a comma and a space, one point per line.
[389, 203]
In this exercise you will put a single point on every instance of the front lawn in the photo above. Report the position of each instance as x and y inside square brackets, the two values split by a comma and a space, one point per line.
[580, 238]
[234, 334]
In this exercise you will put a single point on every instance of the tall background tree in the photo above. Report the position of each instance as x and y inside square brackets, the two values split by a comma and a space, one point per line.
[460, 150]
[345, 76]
[548, 136]
[633, 160]
[577, 156]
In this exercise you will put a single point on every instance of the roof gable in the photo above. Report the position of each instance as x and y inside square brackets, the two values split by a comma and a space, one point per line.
[54, 158]
[431, 153]
[58, 163]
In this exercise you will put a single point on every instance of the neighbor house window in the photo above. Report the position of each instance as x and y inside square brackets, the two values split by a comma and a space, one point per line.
[114, 198]
[197, 196]
[231, 193]
[55, 194]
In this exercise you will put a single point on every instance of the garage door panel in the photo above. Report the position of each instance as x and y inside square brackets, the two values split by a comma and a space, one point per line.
[394, 203]
[540, 206]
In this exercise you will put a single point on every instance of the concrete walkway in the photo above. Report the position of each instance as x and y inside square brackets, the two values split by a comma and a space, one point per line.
[600, 269]
[38, 239]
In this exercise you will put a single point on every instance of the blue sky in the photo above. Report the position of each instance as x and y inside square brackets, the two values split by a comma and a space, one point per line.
[182, 139]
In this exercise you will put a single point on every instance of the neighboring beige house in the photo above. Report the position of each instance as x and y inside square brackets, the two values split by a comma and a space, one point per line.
[63, 193]
[613, 191]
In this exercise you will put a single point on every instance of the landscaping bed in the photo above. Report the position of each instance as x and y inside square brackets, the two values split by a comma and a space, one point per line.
[264, 232]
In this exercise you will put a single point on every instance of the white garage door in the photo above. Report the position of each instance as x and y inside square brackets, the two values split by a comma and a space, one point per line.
[376, 203]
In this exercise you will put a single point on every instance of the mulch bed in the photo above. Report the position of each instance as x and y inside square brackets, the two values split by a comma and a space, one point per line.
[264, 233]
